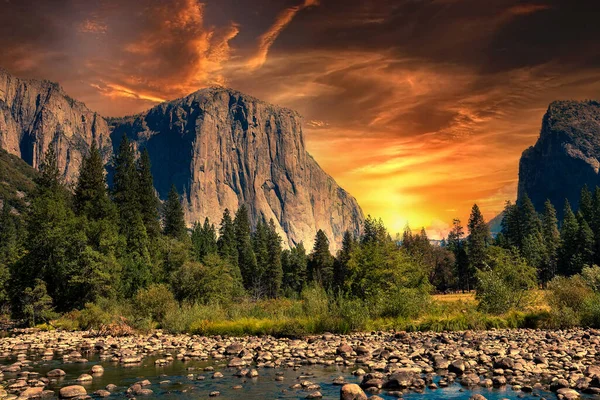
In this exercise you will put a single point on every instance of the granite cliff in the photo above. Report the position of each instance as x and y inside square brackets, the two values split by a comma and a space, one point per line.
[220, 148]
[34, 114]
[565, 157]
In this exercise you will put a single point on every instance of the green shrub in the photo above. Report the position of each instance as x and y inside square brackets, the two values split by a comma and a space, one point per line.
[506, 283]
[154, 303]
[315, 301]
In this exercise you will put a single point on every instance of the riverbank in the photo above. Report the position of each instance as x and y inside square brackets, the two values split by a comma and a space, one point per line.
[386, 363]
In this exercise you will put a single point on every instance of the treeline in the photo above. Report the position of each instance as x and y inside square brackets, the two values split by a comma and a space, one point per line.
[76, 246]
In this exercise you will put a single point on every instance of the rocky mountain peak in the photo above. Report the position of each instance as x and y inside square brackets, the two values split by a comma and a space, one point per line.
[565, 157]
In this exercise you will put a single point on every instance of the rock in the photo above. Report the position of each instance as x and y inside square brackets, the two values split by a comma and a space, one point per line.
[567, 394]
[344, 350]
[111, 387]
[69, 392]
[234, 349]
[55, 373]
[97, 369]
[565, 157]
[352, 391]
[32, 393]
[559, 384]
[84, 378]
[314, 395]
[399, 380]
[214, 394]
[457, 366]
[36, 113]
[477, 397]
[102, 393]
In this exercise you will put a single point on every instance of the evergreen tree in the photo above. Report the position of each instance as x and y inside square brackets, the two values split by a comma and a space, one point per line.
[137, 268]
[91, 195]
[149, 203]
[55, 245]
[478, 240]
[173, 216]
[529, 220]
[227, 246]
[274, 272]
[586, 205]
[457, 246]
[595, 225]
[340, 265]
[551, 237]
[569, 262]
[511, 226]
[585, 241]
[294, 263]
[321, 260]
[260, 237]
[245, 252]
[204, 240]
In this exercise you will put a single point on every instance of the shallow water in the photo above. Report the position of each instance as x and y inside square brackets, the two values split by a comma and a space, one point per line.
[184, 386]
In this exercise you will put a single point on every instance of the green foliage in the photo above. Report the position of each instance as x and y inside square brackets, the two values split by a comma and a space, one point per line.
[147, 198]
[505, 282]
[37, 305]
[478, 240]
[204, 240]
[320, 264]
[155, 302]
[294, 264]
[173, 216]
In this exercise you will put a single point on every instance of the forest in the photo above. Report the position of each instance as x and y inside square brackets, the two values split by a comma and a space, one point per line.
[120, 260]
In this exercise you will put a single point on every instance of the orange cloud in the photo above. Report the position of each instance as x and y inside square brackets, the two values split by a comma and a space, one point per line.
[269, 37]
[526, 9]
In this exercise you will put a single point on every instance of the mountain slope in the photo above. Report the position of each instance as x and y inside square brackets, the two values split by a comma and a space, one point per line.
[35, 113]
[224, 149]
[565, 157]
[16, 180]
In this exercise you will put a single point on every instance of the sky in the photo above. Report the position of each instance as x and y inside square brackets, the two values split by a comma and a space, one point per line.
[419, 108]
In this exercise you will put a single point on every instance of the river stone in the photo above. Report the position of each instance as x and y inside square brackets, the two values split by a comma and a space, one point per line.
[55, 373]
[69, 392]
[32, 393]
[84, 378]
[567, 394]
[352, 391]
[102, 393]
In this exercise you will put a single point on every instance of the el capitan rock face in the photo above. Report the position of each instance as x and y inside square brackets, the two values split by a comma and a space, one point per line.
[565, 157]
[220, 147]
[223, 149]
[35, 113]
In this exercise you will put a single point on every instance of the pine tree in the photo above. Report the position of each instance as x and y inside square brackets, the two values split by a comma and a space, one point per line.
[595, 225]
[321, 261]
[173, 216]
[568, 260]
[204, 240]
[340, 265]
[91, 194]
[478, 240]
[457, 246]
[585, 241]
[586, 206]
[294, 264]
[529, 220]
[511, 226]
[258, 285]
[137, 268]
[149, 203]
[227, 246]
[245, 252]
[274, 272]
[551, 237]
[55, 241]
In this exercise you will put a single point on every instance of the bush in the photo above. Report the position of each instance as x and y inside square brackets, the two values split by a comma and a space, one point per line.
[154, 303]
[315, 301]
[402, 303]
[506, 282]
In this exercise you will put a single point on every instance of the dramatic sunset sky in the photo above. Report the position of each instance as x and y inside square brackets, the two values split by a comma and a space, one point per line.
[417, 107]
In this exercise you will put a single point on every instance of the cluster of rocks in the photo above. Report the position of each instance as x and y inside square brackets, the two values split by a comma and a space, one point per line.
[564, 362]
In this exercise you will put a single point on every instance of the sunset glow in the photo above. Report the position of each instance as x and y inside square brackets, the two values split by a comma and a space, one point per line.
[418, 109]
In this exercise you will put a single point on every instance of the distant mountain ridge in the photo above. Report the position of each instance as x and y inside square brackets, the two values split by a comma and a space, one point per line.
[566, 156]
[221, 149]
